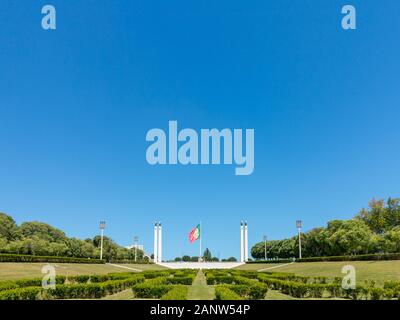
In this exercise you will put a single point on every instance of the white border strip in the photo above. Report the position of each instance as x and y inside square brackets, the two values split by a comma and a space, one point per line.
[274, 267]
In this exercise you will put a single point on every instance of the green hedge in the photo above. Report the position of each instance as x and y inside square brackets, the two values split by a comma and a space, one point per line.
[91, 290]
[363, 257]
[176, 293]
[31, 258]
[30, 288]
[271, 261]
[145, 290]
[188, 280]
[223, 292]
[29, 293]
[256, 291]
[22, 283]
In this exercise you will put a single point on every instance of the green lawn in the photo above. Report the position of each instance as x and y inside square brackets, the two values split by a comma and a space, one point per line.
[199, 290]
[123, 295]
[276, 295]
[9, 271]
[379, 271]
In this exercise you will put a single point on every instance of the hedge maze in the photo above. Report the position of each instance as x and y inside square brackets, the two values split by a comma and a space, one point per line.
[237, 284]
[174, 285]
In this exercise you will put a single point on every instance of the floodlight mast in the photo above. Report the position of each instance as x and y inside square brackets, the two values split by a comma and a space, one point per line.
[265, 247]
[298, 225]
[102, 227]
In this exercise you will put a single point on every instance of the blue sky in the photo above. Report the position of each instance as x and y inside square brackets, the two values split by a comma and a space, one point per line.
[76, 104]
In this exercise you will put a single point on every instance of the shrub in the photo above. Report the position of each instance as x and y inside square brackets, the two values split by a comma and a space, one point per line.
[79, 279]
[362, 257]
[176, 293]
[377, 293]
[7, 285]
[316, 290]
[222, 292]
[256, 291]
[145, 290]
[29, 293]
[188, 280]
[31, 258]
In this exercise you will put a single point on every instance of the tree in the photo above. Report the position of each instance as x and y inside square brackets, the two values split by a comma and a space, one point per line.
[380, 217]
[8, 228]
[42, 231]
[207, 255]
[178, 259]
[231, 259]
[349, 237]
[185, 258]
[391, 240]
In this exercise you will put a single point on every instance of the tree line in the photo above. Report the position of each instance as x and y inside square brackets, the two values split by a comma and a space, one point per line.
[375, 229]
[38, 238]
[207, 256]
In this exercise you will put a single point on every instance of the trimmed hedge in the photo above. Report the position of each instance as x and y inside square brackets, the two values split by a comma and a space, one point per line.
[256, 291]
[188, 280]
[271, 261]
[31, 258]
[22, 283]
[29, 289]
[362, 257]
[176, 293]
[29, 293]
[145, 290]
[223, 292]
[91, 290]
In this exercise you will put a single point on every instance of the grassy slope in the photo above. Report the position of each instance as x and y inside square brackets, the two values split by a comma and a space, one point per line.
[199, 290]
[123, 295]
[10, 271]
[379, 271]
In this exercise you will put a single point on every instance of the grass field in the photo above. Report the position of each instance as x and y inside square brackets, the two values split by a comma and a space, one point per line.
[10, 271]
[379, 271]
[199, 290]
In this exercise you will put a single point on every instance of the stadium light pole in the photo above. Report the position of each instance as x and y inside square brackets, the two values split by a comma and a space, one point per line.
[102, 227]
[135, 242]
[265, 247]
[298, 225]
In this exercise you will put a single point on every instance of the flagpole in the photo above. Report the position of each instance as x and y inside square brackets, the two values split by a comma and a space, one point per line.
[201, 236]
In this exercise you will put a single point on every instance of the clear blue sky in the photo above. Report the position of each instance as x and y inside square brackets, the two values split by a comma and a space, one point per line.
[76, 103]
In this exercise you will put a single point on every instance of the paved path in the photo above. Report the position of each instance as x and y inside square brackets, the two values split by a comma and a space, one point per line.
[199, 290]
[124, 267]
[200, 265]
[274, 267]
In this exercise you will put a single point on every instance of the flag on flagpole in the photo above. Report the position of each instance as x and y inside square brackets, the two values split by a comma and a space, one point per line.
[194, 234]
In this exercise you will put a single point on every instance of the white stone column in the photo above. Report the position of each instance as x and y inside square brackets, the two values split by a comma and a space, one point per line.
[155, 259]
[241, 242]
[246, 242]
[159, 242]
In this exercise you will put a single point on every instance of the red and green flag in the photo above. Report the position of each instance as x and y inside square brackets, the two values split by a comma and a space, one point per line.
[194, 234]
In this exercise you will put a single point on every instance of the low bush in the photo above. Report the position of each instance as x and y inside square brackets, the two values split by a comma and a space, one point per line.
[5, 257]
[222, 292]
[176, 293]
[362, 257]
[79, 279]
[188, 280]
[256, 291]
[22, 283]
[145, 290]
[29, 293]
[92, 290]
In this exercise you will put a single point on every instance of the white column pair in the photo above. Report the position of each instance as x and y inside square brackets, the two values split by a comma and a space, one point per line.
[157, 242]
[244, 243]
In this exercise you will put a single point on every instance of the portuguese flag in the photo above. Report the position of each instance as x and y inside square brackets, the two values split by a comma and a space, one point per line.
[194, 234]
